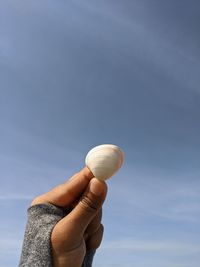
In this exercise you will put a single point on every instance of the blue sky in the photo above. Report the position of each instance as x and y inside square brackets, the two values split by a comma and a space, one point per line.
[75, 74]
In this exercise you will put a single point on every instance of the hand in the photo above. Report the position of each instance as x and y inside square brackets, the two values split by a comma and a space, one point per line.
[81, 230]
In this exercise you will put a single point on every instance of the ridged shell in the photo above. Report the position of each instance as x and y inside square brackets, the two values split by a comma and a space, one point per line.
[104, 160]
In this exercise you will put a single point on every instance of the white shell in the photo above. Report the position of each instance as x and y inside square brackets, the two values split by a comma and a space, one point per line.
[104, 160]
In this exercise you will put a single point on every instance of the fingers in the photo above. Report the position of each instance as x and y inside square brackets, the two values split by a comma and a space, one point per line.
[93, 225]
[94, 232]
[68, 192]
[95, 239]
[87, 208]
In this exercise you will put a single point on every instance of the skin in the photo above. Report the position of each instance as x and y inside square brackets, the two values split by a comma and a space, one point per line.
[81, 230]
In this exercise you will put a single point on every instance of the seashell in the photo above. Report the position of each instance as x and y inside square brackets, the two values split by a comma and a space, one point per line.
[104, 160]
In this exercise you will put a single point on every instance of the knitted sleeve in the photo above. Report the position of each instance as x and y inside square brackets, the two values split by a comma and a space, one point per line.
[36, 249]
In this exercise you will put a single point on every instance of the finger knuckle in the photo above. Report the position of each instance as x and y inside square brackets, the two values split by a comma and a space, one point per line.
[101, 228]
[89, 205]
[37, 200]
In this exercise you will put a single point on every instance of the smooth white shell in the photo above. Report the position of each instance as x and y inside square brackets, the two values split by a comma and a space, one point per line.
[104, 160]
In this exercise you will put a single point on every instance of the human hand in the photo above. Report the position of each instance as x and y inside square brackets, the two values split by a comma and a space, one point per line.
[80, 230]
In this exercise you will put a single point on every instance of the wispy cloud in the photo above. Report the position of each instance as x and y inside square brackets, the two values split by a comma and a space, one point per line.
[16, 197]
[10, 246]
[163, 55]
[152, 246]
[159, 194]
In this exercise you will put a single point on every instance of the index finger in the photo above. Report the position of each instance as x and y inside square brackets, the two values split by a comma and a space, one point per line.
[68, 192]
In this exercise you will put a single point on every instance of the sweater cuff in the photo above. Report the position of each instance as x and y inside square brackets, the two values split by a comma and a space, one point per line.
[88, 259]
[36, 249]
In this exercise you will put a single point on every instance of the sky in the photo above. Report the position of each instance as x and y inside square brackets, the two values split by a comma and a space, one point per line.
[75, 74]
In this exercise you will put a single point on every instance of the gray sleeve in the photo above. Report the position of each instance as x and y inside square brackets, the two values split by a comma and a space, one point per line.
[36, 249]
[88, 259]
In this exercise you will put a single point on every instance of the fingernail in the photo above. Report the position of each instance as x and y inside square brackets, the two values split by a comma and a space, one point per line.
[96, 187]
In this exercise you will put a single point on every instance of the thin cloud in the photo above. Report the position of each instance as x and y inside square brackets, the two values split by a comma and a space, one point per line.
[10, 246]
[15, 197]
[160, 195]
[152, 246]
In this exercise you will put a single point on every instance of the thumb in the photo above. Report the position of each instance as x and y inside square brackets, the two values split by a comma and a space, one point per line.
[88, 206]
